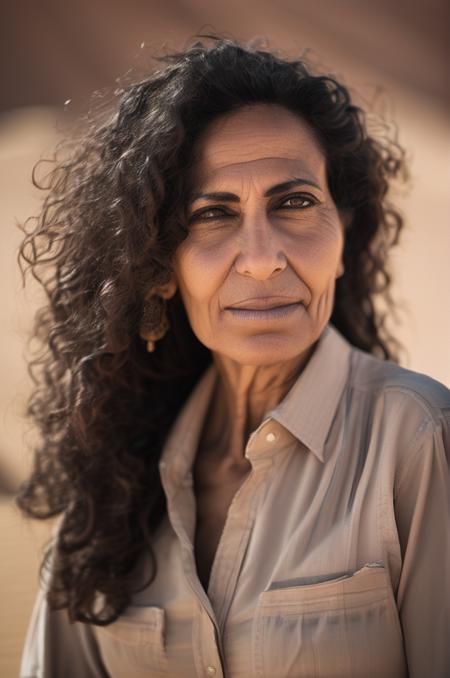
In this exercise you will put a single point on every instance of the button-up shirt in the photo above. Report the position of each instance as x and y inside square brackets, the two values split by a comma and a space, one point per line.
[334, 560]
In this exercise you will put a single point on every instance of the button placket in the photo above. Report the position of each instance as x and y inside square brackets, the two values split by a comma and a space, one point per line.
[208, 652]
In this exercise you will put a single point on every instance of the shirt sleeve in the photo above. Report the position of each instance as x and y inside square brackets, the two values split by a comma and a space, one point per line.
[55, 647]
[422, 509]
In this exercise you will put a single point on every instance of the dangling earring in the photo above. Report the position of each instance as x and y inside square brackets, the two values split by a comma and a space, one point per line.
[154, 321]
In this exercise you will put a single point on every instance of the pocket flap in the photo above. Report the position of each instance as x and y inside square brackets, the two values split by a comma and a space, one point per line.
[137, 625]
[367, 585]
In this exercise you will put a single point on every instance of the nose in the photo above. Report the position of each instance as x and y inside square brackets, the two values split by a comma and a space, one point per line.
[261, 253]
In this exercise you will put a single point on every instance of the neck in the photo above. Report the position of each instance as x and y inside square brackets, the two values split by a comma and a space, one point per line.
[242, 397]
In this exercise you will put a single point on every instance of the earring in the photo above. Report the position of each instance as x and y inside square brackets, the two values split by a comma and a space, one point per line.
[154, 322]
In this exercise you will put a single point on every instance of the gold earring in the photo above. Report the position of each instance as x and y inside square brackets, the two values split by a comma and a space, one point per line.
[154, 321]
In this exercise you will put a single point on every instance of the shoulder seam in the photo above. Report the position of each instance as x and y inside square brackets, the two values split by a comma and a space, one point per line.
[430, 409]
[425, 424]
[434, 412]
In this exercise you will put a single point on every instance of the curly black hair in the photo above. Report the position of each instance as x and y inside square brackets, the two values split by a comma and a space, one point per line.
[113, 215]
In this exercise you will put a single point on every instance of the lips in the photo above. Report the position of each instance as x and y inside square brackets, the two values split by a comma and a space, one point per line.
[263, 303]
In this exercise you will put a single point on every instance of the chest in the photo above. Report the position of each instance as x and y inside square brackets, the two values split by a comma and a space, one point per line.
[292, 612]
[214, 491]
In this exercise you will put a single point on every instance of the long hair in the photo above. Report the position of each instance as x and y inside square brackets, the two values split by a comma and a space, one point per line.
[113, 215]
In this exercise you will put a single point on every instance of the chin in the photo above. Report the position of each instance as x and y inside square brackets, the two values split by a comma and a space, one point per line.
[264, 350]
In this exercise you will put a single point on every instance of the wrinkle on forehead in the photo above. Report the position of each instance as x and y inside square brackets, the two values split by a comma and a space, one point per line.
[261, 137]
[251, 145]
[265, 168]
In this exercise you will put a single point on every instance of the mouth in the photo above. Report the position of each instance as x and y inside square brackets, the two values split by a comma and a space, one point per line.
[263, 303]
[264, 309]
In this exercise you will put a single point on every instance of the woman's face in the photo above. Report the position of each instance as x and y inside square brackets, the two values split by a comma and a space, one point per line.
[257, 271]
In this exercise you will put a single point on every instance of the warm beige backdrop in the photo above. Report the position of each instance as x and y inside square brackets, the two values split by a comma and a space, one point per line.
[370, 48]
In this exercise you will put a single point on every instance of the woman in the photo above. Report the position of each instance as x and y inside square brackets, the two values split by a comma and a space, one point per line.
[249, 484]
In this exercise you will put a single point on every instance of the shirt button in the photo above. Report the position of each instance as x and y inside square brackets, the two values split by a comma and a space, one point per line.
[211, 670]
[270, 437]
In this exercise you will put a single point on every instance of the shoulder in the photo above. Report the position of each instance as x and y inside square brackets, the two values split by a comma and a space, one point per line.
[414, 392]
[409, 412]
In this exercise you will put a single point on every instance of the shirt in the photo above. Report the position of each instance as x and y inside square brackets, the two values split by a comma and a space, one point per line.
[334, 557]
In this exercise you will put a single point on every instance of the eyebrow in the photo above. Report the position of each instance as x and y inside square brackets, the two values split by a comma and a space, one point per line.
[278, 188]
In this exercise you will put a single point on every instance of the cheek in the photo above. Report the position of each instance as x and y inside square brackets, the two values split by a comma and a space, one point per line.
[316, 256]
[200, 270]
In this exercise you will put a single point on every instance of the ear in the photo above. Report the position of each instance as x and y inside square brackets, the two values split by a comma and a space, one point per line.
[345, 217]
[166, 291]
[340, 269]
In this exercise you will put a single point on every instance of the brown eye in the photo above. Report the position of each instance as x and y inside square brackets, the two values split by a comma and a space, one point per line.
[209, 214]
[300, 201]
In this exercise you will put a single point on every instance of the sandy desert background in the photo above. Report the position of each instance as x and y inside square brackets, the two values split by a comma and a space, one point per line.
[393, 55]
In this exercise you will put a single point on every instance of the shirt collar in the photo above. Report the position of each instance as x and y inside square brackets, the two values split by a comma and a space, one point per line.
[308, 409]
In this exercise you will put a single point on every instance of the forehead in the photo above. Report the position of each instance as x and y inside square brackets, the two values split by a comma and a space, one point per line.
[258, 138]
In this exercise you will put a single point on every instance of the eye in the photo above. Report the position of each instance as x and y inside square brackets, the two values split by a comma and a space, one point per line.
[209, 214]
[298, 201]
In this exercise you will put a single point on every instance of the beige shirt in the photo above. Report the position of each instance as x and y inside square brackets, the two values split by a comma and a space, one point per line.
[334, 560]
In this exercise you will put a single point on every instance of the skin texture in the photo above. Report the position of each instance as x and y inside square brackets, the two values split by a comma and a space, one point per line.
[113, 212]
[257, 246]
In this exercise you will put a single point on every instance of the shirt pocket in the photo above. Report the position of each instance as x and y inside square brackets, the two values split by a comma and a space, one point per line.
[341, 627]
[134, 644]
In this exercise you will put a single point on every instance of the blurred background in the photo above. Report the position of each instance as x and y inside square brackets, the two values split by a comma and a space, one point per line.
[393, 55]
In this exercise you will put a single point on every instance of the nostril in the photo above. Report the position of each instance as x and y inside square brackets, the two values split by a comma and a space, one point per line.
[260, 264]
